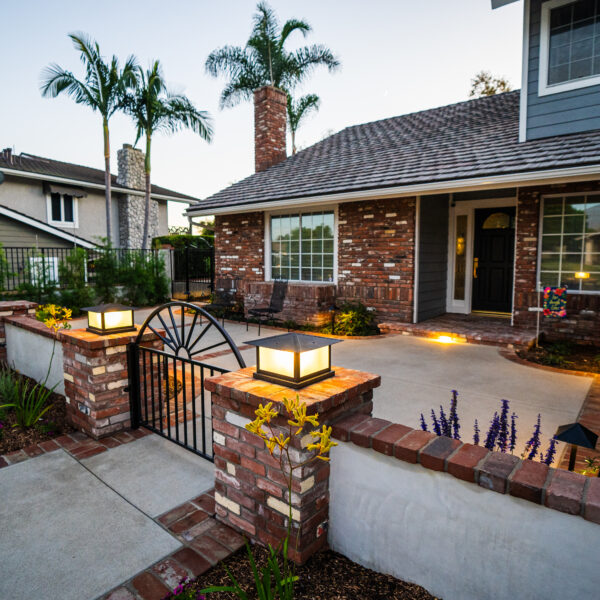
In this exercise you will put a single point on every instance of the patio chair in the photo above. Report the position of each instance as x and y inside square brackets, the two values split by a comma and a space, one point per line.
[224, 298]
[275, 306]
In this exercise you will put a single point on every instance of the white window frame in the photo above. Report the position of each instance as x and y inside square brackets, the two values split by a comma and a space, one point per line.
[63, 224]
[541, 233]
[302, 211]
[543, 88]
[468, 207]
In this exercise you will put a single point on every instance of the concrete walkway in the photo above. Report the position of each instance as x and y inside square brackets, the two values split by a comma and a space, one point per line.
[76, 528]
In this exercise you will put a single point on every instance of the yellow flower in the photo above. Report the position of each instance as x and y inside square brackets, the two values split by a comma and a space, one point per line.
[265, 413]
[291, 405]
[51, 323]
[281, 441]
[324, 445]
[301, 418]
[270, 443]
[256, 427]
[67, 313]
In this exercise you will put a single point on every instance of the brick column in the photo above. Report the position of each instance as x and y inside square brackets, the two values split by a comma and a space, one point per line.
[8, 309]
[250, 491]
[95, 379]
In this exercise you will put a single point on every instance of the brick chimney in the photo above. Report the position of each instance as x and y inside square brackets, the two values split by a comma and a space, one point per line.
[270, 118]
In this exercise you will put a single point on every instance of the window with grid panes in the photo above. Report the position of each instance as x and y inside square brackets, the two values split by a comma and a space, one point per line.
[571, 242]
[302, 246]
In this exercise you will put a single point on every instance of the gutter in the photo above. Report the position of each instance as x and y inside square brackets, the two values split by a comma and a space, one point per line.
[527, 178]
[95, 186]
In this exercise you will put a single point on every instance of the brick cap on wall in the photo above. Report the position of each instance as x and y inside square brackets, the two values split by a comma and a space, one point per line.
[558, 489]
[17, 305]
[26, 322]
[319, 397]
[93, 341]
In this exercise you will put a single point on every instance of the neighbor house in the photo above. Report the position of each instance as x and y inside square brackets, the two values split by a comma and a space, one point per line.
[45, 203]
[460, 209]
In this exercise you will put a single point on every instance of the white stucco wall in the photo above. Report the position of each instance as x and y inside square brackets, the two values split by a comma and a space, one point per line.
[30, 353]
[459, 541]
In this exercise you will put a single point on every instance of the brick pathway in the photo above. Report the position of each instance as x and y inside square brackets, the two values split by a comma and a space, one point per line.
[205, 541]
[474, 329]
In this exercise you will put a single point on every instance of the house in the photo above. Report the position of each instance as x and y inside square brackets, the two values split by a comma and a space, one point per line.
[45, 203]
[459, 209]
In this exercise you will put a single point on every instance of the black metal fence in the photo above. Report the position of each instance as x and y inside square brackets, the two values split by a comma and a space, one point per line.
[41, 266]
[192, 272]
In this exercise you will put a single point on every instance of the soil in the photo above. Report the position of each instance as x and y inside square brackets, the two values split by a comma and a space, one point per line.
[565, 355]
[53, 424]
[326, 576]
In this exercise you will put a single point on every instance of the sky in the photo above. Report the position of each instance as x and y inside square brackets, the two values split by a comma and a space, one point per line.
[398, 56]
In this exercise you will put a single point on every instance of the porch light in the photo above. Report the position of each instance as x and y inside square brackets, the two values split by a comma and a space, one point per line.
[105, 319]
[582, 275]
[293, 360]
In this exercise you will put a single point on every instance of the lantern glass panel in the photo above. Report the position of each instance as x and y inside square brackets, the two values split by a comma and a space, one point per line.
[314, 361]
[276, 361]
[95, 320]
[118, 319]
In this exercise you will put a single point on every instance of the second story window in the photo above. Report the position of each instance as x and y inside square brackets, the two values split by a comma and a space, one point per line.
[570, 45]
[61, 210]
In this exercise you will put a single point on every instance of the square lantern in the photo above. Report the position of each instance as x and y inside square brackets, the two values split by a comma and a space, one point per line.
[105, 319]
[293, 360]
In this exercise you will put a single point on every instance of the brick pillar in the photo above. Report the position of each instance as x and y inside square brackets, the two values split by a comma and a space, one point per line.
[8, 309]
[96, 377]
[250, 491]
[270, 118]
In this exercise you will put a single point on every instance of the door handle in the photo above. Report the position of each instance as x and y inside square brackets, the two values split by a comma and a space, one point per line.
[475, 267]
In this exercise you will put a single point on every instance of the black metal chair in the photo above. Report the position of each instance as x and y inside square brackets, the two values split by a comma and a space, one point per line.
[267, 313]
[224, 298]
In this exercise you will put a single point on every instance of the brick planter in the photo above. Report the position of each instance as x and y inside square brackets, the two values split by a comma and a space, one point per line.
[96, 378]
[250, 490]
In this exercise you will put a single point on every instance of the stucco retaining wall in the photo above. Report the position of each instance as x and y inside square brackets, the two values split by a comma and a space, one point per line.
[29, 352]
[456, 539]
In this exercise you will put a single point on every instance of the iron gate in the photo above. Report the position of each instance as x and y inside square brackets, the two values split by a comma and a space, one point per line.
[192, 272]
[166, 386]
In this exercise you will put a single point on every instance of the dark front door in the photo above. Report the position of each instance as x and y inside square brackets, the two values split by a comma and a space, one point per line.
[493, 256]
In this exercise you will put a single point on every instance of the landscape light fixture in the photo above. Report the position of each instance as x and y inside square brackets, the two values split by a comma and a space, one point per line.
[582, 275]
[105, 319]
[293, 360]
[576, 435]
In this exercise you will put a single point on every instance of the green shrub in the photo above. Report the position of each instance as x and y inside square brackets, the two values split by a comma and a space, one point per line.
[144, 279]
[39, 285]
[73, 271]
[184, 240]
[106, 273]
[353, 318]
[4, 268]
[30, 403]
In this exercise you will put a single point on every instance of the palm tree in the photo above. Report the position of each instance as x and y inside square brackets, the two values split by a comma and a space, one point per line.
[297, 110]
[155, 109]
[265, 61]
[102, 89]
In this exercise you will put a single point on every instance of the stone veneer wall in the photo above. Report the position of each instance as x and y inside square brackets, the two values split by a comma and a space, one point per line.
[583, 310]
[376, 255]
[131, 208]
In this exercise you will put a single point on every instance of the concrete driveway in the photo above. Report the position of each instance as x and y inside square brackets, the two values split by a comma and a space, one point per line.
[418, 374]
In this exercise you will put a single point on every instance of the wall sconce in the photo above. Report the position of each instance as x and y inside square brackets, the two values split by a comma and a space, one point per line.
[582, 275]
[105, 319]
[293, 360]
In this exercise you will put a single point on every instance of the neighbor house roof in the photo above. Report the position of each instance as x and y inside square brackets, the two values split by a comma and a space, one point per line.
[75, 174]
[474, 139]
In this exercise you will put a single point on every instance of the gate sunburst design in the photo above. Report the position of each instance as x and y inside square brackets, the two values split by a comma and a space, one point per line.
[166, 386]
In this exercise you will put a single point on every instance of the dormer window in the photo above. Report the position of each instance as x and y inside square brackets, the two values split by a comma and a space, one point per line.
[569, 45]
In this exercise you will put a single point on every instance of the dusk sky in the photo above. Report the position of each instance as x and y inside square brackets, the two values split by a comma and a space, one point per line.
[397, 57]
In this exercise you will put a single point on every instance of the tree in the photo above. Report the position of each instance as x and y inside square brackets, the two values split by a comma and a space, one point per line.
[484, 84]
[155, 109]
[297, 110]
[102, 89]
[265, 61]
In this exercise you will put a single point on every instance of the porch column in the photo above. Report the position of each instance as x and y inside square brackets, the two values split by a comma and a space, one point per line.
[250, 490]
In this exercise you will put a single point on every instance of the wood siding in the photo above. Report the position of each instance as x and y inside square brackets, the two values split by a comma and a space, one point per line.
[13, 233]
[573, 111]
[433, 257]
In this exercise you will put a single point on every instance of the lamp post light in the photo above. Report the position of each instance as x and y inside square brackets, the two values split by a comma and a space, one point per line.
[293, 360]
[105, 319]
[576, 435]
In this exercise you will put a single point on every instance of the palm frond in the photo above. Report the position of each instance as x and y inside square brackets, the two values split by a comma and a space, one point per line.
[292, 25]
[297, 110]
[55, 80]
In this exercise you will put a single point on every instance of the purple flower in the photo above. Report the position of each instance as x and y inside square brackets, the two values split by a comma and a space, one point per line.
[445, 426]
[436, 425]
[476, 434]
[534, 442]
[423, 424]
[513, 432]
[454, 415]
[503, 427]
[549, 458]
[492, 434]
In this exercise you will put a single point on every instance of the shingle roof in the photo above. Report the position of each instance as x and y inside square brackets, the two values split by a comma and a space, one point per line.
[55, 168]
[477, 138]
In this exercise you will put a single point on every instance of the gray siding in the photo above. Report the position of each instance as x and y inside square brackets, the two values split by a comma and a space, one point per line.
[433, 257]
[556, 114]
[13, 233]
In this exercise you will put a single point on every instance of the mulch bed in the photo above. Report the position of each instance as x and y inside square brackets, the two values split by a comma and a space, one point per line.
[326, 576]
[574, 357]
[53, 424]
